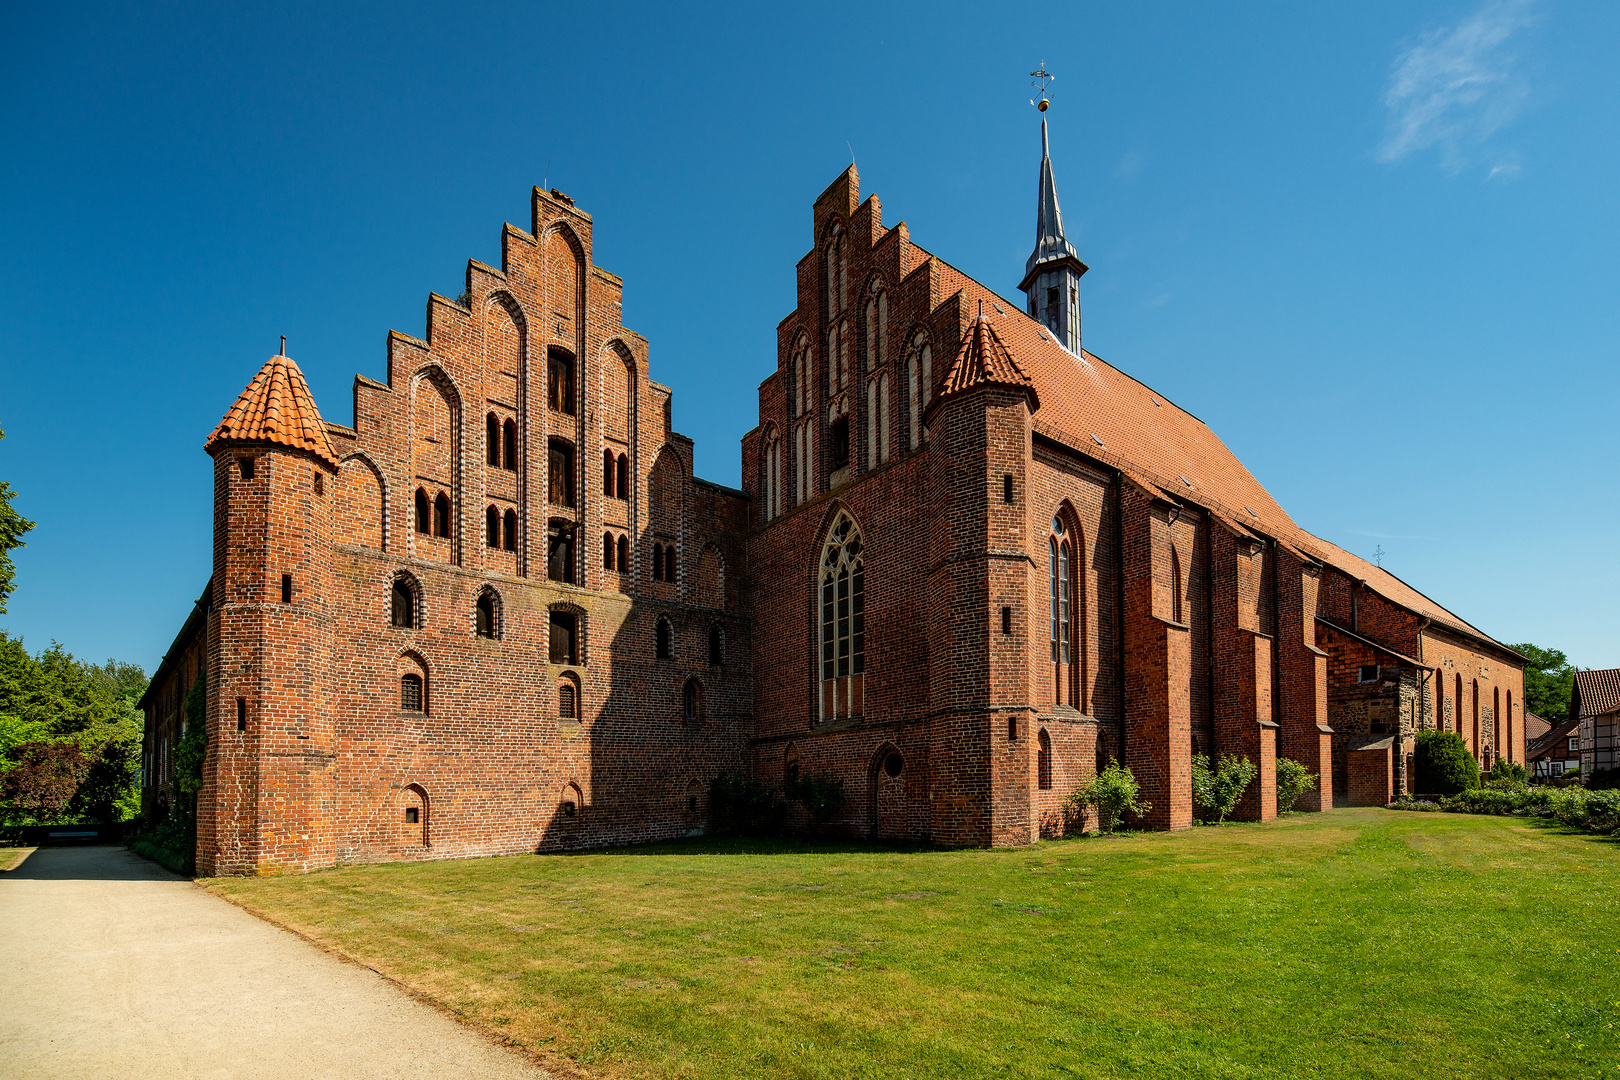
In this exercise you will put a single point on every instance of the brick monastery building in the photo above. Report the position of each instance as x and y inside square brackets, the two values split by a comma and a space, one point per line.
[971, 562]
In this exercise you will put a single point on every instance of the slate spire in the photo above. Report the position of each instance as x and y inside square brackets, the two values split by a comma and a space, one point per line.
[1052, 274]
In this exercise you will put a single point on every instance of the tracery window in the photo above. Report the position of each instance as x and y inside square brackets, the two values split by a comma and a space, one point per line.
[843, 621]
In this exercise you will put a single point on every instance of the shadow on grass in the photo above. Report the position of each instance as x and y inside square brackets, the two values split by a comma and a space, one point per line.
[757, 845]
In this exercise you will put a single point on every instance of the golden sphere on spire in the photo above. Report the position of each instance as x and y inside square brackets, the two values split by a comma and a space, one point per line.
[1042, 105]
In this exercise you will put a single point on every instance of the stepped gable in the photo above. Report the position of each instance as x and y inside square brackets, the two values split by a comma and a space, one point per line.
[1085, 401]
[984, 361]
[276, 407]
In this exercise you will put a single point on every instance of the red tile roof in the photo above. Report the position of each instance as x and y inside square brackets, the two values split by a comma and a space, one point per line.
[1098, 410]
[1534, 727]
[1598, 692]
[984, 361]
[276, 408]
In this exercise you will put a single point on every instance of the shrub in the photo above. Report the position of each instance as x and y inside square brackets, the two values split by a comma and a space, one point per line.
[1444, 765]
[1114, 791]
[1293, 780]
[1603, 779]
[1593, 811]
[823, 796]
[1509, 771]
[737, 802]
[1218, 790]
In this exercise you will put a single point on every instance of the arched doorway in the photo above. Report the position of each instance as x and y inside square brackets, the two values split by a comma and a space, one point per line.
[887, 784]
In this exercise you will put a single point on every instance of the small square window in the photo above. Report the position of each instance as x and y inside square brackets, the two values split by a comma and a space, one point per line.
[247, 467]
[1006, 620]
[1369, 673]
[413, 815]
[320, 484]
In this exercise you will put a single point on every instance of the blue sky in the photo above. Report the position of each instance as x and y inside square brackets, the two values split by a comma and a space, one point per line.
[1370, 244]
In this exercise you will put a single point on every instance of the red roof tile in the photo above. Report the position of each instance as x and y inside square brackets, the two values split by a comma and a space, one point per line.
[1098, 410]
[1598, 691]
[276, 408]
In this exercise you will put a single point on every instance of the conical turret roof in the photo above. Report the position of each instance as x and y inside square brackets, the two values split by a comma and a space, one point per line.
[278, 408]
[984, 361]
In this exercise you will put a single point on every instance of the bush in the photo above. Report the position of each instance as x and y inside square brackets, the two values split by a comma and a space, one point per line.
[823, 796]
[192, 748]
[1444, 765]
[1293, 780]
[1508, 772]
[1592, 811]
[1219, 790]
[1603, 780]
[169, 839]
[1114, 791]
[738, 803]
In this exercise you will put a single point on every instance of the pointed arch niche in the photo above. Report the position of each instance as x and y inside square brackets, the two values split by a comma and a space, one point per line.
[1066, 608]
[841, 612]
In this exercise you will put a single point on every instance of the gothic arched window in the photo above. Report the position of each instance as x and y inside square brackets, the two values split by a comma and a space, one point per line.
[424, 515]
[624, 554]
[622, 488]
[843, 620]
[664, 640]
[492, 435]
[441, 516]
[1061, 599]
[402, 611]
[509, 531]
[920, 380]
[509, 441]
[487, 615]
[1043, 762]
[492, 527]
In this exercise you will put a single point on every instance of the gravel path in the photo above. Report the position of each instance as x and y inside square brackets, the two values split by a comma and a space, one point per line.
[116, 968]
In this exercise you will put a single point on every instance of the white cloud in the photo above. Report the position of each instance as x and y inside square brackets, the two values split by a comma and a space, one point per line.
[1455, 87]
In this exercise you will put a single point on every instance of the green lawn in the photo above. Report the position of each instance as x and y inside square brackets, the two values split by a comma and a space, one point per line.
[1358, 943]
[11, 856]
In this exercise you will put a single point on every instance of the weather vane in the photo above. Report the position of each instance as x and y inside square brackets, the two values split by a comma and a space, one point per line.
[1042, 78]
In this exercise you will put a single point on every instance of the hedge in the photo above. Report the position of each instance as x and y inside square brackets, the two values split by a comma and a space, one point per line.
[1591, 811]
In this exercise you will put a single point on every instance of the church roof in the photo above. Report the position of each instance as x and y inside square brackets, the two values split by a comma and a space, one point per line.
[984, 361]
[1094, 408]
[276, 407]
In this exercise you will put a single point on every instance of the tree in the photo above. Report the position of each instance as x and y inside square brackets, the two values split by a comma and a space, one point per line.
[12, 527]
[44, 777]
[1549, 679]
